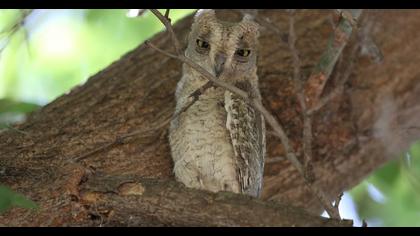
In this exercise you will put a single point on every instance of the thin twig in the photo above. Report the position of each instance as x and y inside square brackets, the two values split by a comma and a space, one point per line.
[149, 44]
[96, 150]
[364, 223]
[120, 139]
[274, 159]
[168, 27]
[369, 47]
[341, 85]
[326, 99]
[309, 176]
[338, 40]
[15, 129]
[19, 24]
[203, 71]
[348, 16]
[140, 12]
[167, 15]
[337, 201]
[332, 21]
[307, 121]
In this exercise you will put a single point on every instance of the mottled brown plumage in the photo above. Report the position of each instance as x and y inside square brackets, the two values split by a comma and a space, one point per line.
[219, 142]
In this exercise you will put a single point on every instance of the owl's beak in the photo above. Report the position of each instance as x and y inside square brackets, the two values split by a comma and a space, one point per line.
[219, 64]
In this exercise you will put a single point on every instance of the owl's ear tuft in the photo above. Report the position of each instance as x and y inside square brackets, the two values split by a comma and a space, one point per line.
[204, 13]
[248, 17]
[250, 24]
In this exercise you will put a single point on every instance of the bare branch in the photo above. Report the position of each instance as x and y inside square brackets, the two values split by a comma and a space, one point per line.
[336, 44]
[139, 13]
[308, 174]
[120, 140]
[341, 84]
[274, 160]
[148, 43]
[167, 15]
[203, 71]
[307, 126]
[324, 100]
[165, 21]
[14, 28]
[332, 21]
[338, 200]
[369, 47]
[349, 16]
[364, 223]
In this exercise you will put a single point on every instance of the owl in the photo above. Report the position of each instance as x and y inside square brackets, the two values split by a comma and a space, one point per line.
[218, 143]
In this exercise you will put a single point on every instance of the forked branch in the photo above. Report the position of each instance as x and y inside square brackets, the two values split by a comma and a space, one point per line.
[338, 40]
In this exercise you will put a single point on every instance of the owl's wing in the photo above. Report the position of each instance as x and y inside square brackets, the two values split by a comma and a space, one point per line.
[247, 131]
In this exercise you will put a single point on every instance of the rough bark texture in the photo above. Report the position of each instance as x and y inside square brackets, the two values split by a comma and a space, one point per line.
[169, 203]
[374, 119]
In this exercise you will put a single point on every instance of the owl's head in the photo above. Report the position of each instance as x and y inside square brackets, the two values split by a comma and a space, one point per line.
[227, 50]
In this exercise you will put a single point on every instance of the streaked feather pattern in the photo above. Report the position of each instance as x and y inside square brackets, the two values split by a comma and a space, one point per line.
[247, 132]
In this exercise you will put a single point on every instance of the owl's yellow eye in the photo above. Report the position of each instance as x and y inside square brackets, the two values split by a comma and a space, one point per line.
[203, 44]
[243, 52]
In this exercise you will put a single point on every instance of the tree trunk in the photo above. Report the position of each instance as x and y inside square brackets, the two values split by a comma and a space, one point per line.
[57, 159]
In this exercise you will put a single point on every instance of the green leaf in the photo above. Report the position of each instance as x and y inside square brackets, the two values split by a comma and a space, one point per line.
[13, 111]
[21, 201]
[5, 202]
[11, 106]
[9, 198]
[386, 177]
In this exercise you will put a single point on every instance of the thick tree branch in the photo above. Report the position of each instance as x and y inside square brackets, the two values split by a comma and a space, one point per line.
[135, 201]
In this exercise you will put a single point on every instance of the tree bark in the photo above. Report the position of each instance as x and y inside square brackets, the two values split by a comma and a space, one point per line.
[373, 120]
[170, 203]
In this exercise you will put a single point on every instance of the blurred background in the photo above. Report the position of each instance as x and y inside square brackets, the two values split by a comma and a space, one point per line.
[44, 53]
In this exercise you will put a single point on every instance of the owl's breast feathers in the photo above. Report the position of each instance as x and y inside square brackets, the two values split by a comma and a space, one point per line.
[247, 133]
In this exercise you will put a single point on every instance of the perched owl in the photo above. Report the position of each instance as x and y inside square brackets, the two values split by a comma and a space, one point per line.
[219, 142]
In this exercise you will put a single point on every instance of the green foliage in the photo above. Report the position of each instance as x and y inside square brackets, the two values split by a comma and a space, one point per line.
[13, 111]
[8, 198]
[65, 47]
[398, 181]
[8, 105]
